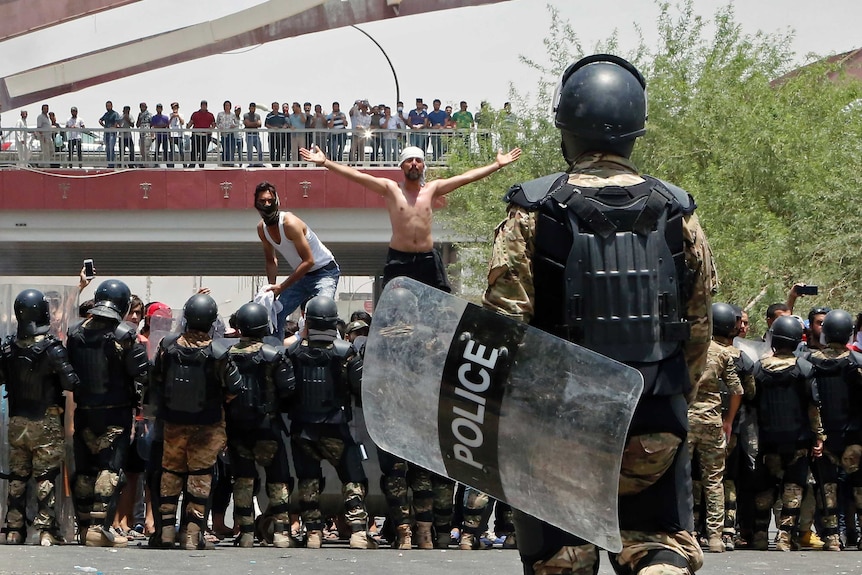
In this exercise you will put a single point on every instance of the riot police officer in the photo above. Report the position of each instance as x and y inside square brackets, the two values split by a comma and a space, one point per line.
[36, 370]
[112, 366]
[709, 427]
[558, 262]
[328, 373]
[254, 425]
[193, 375]
[790, 427]
[838, 374]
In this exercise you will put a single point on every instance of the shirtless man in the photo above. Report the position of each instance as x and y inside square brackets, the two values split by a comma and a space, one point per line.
[410, 205]
[315, 271]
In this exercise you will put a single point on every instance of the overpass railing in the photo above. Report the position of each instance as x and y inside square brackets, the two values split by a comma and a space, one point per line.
[212, 148]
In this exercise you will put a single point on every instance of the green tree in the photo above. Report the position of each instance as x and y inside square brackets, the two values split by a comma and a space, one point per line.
[772, 157]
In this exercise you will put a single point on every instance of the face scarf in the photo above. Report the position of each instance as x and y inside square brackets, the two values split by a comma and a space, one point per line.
[268, 213]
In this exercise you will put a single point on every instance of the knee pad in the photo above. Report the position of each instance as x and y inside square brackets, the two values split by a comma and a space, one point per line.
[654, 562]
[49, 475]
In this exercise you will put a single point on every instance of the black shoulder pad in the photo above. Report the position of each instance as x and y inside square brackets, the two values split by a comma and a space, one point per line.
[744, 364]
[855, 358]
[685, 200]
[47, 342]
[530, 194]
[169, 341]
[343, 349]
[273, 341]
[75, 329]
[220, 347]
[806, 368]
[270, 353]
[125, 332]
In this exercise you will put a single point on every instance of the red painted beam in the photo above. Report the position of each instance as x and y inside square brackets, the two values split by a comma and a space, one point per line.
[23, 16]
[327, 16]
[175, 189]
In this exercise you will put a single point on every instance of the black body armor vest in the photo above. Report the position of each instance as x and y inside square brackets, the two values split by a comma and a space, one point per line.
[101, 367]
[840, 390]
[190, 382]
[32, 385]
[257, 397]
[321, 387]
[609, 269]
[783, 398]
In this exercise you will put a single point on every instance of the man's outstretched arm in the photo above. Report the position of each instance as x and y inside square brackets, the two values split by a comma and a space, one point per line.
[316, 156]
[470, 176]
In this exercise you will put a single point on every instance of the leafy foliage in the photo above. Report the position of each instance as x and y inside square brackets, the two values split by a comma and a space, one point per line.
[772, 158]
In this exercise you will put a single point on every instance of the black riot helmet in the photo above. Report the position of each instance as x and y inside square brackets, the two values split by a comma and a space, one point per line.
[321, 313]
[252, 320]
[401, 307]
[724, 319]
[112, 300]
[786, 332]
[200, 311]
[32, 313]
[600, 106]
[837, 326]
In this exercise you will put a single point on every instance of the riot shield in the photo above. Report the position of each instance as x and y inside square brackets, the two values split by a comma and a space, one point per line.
[529, 418]
[754, 349]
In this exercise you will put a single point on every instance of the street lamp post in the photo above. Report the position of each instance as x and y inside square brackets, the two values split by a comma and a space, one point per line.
[385, 55]
[353, 294]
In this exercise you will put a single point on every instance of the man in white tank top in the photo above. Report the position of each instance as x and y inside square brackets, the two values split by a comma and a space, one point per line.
[315, 271]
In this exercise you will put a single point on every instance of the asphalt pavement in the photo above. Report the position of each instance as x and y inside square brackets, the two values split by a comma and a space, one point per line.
[338, 559]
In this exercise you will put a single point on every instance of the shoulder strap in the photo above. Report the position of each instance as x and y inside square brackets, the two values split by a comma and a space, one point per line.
[531, 194]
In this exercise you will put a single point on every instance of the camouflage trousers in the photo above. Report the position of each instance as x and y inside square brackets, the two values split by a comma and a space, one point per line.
[850, 461]
[786, 471]
[101, 441]
[707, 444]
[190, 452]
[673, 554]
[476, 513]
[314, 443]
[36, 449]
[826, 469]
[264, 446]
[433, 494]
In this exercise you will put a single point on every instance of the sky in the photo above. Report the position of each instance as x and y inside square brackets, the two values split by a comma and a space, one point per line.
[469, 53]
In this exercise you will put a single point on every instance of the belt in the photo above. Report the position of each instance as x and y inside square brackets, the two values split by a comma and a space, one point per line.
[327, 268]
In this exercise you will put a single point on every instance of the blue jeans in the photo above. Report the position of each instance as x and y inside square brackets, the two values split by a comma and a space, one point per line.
[110, 148]
[252, 141]
[319, 282]
[228, 148]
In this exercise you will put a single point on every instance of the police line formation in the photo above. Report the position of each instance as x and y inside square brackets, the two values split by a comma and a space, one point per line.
[769, 425]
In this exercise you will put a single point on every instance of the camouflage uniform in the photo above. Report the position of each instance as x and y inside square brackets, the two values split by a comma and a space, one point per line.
[839, 386]
[433, 494]
[782, 460]
[475, 519]
[110, 370]
[255, 436]
[706, 439]
[653, 457]
[326, 377]
[36, 371]
[193, 436]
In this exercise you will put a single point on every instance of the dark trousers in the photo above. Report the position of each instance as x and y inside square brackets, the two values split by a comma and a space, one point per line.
[74, 145]
[199, 148]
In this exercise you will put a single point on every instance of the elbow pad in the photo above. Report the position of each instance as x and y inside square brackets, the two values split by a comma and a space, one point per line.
[137, 363]
[232, 378]
[285, 381]
[60, 361]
